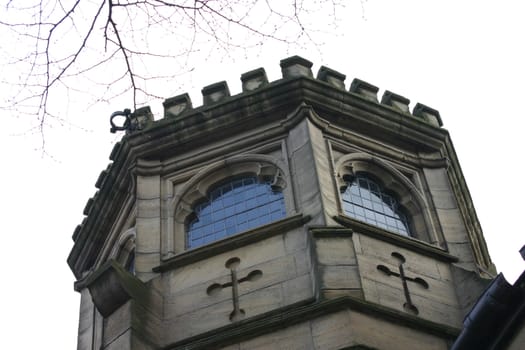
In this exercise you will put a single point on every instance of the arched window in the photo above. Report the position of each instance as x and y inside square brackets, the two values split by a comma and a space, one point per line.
[124, 250]
[366, 200]
[232, 207]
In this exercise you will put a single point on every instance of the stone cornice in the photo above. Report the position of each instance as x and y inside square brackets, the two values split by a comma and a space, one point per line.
[293, 314]
[233, 242]
[395, 239]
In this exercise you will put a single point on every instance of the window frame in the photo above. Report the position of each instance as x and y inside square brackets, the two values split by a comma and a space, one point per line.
[399, 214]
[393, 181]
[197, 186]
[209, 200]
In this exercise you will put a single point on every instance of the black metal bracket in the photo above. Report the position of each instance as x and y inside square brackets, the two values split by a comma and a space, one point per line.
[127, 126]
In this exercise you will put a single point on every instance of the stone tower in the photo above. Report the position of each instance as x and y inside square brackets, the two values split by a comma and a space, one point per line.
[298, 214]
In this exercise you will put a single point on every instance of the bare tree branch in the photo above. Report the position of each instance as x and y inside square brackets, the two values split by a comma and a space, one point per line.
[121, 45]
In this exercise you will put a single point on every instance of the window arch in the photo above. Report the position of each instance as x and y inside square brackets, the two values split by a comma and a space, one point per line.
[124, 250]
[234, 206]
[410, 202]
[365, 199]
[197, 190]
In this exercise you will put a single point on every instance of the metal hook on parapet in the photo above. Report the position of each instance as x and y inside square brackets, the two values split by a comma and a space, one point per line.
[126, 126]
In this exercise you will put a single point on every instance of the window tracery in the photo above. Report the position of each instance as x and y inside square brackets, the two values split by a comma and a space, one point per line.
[195, 202]
[232, 207]
[366, 200]
[410, 208]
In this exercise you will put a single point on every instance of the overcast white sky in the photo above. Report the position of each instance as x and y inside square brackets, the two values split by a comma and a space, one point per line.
[465, 59]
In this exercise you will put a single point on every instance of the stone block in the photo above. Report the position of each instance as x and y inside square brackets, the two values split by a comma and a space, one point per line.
[140, 119]
[415, 264]
[428, 114]
[308, 194]
[303, 262]
[194, 295]
[437, 179]
[395, 101]
[208, 304]
[148, 208]
[215, 93]
[296, 337]
[254, 79]
[375, 333]
[102, 177]
[444, 271]
[340, 277]
[202, 271]
[297, 289]
[463, 251]
[117, 323]
[298, 138]
[175, 106]
[295, 240]
[123, 342]
[366, 90]
[332, 77]
[89, 205]
[295, 66]
[370, 290]
[378, 252]
[148, 235]
[86, 321]
[144, 263]
[335, 251]
[76, 232]
[346, 329]
[148, 187]
[332, 331]
[337, 293]
[218, 315]
[452, 225]
[443, 199]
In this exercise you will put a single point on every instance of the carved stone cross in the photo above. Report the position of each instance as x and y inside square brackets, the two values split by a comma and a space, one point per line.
[408, 306]
[232, 264]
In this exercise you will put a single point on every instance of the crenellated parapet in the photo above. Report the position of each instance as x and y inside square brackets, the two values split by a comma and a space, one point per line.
[265, 218]
[324, 97]
[294, 67]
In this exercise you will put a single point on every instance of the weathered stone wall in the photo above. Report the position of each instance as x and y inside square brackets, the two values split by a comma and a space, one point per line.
[273, 273]
[345, 330]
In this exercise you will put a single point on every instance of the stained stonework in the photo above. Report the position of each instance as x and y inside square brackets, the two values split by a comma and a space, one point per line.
[315, 279]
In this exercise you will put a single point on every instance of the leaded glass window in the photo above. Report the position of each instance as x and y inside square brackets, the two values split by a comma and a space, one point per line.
[233, 207]
[364, 199]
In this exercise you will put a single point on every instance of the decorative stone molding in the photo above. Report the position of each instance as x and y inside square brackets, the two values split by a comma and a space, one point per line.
[124, 247]
[197, 188]
[294, 314]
